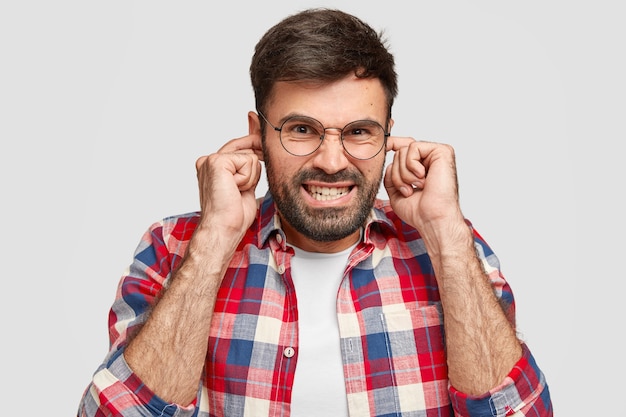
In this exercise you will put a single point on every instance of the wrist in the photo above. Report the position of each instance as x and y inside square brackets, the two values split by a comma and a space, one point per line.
[449, 239]
[207, 257]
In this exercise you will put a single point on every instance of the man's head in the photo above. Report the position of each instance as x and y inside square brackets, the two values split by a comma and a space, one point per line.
[329, 66]
[320, 45]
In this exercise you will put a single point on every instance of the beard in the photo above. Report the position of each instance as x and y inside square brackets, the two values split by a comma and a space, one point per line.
[322, 224]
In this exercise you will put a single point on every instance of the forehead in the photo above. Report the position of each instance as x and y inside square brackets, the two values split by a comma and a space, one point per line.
[341, 101]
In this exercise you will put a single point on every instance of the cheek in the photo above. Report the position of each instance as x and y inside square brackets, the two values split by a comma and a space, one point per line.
[279, 167]
[372, 169]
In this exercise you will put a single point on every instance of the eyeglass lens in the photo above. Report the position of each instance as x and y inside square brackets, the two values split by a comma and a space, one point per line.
[362, 139]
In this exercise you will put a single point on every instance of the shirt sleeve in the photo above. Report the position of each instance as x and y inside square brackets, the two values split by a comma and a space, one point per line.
[523, 392]
[115, 390]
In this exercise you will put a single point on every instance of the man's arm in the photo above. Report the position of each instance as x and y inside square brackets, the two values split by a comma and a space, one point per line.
[167, 352]
[481, 343]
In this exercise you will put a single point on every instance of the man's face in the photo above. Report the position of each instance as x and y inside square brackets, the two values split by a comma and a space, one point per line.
[324, 198]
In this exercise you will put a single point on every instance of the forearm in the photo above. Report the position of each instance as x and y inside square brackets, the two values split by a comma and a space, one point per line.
[481, 343]
[169, 351]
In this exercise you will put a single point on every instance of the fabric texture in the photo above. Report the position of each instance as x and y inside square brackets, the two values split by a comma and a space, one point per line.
[390, 323]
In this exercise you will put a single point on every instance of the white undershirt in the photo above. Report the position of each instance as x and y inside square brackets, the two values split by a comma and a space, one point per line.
[319, 386]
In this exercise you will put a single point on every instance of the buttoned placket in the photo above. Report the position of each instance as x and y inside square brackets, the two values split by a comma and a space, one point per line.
[289, 333]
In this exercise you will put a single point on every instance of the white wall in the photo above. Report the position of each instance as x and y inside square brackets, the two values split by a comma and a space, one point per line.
[104, 107]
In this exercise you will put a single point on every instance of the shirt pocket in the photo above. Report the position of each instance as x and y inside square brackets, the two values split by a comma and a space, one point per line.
[416, 352]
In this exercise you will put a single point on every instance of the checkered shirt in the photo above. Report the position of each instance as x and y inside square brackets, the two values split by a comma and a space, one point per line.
[390, 325]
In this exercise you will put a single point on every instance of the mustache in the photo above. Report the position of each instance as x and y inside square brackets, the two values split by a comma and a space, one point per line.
[319, 175]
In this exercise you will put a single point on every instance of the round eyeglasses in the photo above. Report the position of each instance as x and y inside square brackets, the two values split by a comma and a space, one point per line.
[302, 135]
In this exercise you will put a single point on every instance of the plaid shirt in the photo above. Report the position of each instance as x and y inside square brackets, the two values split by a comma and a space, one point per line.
[390, 324]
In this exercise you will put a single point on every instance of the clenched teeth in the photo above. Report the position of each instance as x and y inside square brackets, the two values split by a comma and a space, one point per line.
[327, 193]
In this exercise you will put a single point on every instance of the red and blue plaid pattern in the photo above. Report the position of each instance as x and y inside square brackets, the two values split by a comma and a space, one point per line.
[390, 323]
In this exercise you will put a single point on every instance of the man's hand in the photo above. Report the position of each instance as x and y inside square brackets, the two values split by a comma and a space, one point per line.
[422, 183]
[227, 181]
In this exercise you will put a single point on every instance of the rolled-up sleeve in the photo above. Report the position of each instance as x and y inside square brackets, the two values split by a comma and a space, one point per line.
[523, 392]
[116, 391]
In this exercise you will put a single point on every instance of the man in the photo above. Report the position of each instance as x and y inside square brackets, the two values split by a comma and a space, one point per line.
[318, 299]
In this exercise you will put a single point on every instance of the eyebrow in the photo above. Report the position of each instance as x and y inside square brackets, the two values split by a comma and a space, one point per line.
[293, 114]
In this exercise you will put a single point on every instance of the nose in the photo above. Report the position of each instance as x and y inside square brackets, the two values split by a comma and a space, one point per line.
[331, 157]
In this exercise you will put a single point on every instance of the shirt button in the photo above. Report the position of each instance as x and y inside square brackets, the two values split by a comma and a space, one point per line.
[281, 269]
[289, 352]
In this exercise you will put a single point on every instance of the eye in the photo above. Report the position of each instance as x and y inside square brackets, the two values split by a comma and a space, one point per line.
[362, 130]
[358, 131]
[302, 128]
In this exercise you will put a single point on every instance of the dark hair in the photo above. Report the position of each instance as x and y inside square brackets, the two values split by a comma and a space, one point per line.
[320, 45]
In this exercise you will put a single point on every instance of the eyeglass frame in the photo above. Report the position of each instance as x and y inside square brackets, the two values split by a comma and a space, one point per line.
[386, 134]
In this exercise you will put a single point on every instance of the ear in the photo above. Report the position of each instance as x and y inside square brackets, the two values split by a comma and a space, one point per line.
[388, 145]
[254, 124]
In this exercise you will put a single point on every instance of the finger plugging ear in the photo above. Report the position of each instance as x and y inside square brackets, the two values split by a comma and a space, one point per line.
[407, 172]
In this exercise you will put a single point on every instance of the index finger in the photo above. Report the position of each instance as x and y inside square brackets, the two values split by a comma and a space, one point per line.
[245, 144]
[395, 143]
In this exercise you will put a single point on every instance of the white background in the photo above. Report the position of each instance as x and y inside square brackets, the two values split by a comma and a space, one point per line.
[104, 107]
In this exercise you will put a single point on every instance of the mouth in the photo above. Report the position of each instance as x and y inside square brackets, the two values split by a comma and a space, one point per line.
[326, 193]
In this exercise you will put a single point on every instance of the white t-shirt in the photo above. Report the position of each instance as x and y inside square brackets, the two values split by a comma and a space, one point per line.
[319, 386]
